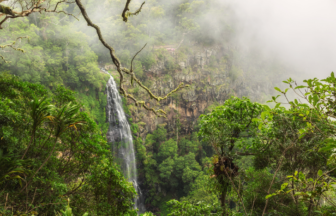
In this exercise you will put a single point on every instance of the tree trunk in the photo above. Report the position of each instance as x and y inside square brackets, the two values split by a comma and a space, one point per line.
[310, 207]
[223, 197]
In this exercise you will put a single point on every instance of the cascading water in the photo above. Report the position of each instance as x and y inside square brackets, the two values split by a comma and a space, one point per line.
[119, 134]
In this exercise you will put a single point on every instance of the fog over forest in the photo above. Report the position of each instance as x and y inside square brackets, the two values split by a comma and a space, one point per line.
[300, 34]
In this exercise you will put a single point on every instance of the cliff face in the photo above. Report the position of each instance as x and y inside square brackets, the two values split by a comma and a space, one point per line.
[214, 74]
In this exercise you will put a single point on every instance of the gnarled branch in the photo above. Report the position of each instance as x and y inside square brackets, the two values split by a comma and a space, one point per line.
[125, 14]
[29, 9]
[121, 70]
[11, 46]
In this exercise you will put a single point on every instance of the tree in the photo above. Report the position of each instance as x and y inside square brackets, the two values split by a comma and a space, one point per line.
[33, 6]
[168, 149]
[317, 108]
[228, 128]
[308, 141]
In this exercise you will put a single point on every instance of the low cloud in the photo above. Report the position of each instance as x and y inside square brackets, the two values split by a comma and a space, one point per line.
[300, 33]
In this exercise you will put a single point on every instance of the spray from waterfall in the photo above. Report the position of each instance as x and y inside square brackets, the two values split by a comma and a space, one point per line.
[119, 134]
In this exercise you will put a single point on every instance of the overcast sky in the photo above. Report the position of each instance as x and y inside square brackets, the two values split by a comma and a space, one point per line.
[301, 32]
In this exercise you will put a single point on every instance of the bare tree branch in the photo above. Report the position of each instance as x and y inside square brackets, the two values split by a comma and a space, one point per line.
[136, 55]
[121, 70]
[11, 46]
[125, 14]
[237, 191]
[41, 6]
[27, 9]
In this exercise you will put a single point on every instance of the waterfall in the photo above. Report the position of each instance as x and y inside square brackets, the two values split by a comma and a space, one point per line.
[119, 134]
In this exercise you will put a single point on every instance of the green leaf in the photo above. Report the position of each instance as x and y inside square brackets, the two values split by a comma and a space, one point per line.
[289, 191]
[267, 108]
[320, 173]
[327, 148]
[300, 87]
[302, 176]
[279, 90]
[315, 99]
[284, 185]
[270, 195]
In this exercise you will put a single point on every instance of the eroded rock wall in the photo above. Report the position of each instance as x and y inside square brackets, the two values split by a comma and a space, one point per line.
[214, 74]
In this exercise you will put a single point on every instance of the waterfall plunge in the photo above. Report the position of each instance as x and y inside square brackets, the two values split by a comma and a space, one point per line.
[119, 134]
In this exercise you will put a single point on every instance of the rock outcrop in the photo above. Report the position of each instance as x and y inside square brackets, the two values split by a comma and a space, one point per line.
[214, 75]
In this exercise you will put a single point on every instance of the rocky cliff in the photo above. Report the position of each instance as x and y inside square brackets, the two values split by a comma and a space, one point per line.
[213, 73]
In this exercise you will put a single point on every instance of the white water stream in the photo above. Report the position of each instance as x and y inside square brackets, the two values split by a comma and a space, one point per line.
[120, 136]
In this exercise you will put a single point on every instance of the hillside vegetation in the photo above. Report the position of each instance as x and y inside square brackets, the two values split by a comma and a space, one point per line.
[219, 151]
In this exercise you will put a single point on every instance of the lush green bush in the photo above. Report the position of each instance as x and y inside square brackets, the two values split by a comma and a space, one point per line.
[51, 151]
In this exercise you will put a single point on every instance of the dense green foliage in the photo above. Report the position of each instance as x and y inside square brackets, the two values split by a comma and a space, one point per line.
[293, 167]
[169, 165]
[50, 151]
[240, 158]
[230, 129]
[56, 54]
[185, 208]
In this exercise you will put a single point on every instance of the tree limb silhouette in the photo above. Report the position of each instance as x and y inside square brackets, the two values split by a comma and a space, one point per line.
[122, 70]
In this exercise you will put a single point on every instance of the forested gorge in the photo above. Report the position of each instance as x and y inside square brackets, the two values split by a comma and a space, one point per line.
[229, 139]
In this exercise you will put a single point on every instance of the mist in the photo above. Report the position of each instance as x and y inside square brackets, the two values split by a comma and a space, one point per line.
[302, 34]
